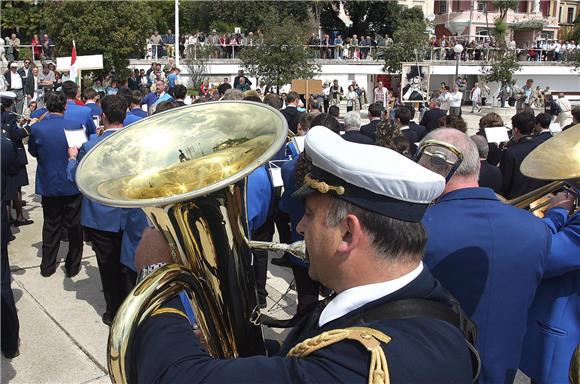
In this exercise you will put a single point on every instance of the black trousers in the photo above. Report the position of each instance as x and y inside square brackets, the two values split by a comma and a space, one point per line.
[306, 288]
[107, 247]
[264, 233]
[61, 212]
[10, 327]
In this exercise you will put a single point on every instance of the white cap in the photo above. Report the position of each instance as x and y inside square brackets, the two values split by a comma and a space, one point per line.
[372, 177]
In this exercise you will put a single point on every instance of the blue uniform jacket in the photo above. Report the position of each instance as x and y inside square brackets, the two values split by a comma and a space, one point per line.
[422, 350]
[292, 206]
[96, 111]
[259, 196]
[135, 224]
[48, 144]
[554, 318]
[138, 112]
[130, 119]
[37, 113]
[95, 215]
[491, 257]
[81, 114]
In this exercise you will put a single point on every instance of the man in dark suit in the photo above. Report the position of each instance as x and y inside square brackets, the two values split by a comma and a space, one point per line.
[179, 93]
[417, 128]
[346, 229]
[61, 199]
[291, 112]
[514, 182]
[9, 315]
[352, 127]
[403, 119]
[431, 118]
[543, 132]
[489, 175]
[375, 116]
[489, 255]
[103, 224]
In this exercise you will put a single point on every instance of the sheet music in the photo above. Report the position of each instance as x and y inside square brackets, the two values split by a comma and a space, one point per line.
[299, 142]
[555, 128]
[497, 135]
[75, 138]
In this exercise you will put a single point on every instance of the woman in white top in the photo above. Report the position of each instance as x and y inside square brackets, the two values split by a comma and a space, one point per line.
[475, 98]
[351, 99]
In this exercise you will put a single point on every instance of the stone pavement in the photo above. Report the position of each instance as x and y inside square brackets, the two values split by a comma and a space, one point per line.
[63, 339]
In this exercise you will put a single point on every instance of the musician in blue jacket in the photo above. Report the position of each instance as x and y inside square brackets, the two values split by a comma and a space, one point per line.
[489, 255]
[80, 113]
[345, 227]
[103, 224]
[554, 318]
[61, 199]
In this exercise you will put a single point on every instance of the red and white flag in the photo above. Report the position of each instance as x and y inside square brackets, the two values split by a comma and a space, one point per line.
[73, 64]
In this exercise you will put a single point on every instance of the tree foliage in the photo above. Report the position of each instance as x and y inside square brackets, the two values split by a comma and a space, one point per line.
[116, 30]
[368, 17]
[503, 6]
[24, 17]
[410, 42]
[280, 57]
[501, 69]
[225, 15]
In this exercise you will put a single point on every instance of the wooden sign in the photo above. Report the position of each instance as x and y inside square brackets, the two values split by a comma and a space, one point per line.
[307, 88]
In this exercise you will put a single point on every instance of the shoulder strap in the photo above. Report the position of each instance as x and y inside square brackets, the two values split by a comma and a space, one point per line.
[412, 308]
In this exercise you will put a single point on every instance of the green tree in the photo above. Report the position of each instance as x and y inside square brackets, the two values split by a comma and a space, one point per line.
[501, 68]
[116, 30]
[410, 42]
[368, 17]
[24, 17]
[281, 57]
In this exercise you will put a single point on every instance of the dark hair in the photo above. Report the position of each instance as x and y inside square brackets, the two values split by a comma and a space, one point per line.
[402, 145]
[492, 119]
[90, 94]
[253, 98]
[273, 100]
[136, 97]
[69, 88]
[114, 108]
[452, 121]
[576, 113]
[292, 96]
[327, 121]
[55, 102]
[524, 122]
[544, 120]
[180, 91]
[165, 106]
[375, 109]
[306, 120]
[404, 115]
[126, 93]
[395, 240]
[410, 108]
[315, 105]
[334, 110]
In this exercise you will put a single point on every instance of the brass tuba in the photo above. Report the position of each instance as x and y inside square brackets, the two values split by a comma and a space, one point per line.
[187, 168]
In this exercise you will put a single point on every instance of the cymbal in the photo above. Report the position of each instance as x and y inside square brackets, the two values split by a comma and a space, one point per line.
[556, 159]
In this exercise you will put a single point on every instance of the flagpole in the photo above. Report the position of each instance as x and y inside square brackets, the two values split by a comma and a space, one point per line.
[176, 49]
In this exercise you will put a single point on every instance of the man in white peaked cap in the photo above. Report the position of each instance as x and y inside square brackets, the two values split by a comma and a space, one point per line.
[389, 319]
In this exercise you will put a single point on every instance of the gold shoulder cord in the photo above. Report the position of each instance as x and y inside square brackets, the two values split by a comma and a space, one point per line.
[370, 338]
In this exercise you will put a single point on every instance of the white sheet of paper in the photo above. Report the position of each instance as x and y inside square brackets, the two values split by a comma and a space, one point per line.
[497, 134]
[75, 138]
[299, 142]
[555, 128]
[276, 174]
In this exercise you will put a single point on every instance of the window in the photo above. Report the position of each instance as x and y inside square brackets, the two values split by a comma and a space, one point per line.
[570, 16]
[481, 6]
[442, 6]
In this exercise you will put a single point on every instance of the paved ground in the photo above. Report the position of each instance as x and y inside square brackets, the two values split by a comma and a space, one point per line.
[62, 337]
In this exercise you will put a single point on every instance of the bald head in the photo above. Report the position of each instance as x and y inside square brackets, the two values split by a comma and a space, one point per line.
[469, 167]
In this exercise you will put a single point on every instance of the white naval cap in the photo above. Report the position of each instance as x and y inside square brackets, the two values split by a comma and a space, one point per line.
[7, 95]
[374, 178]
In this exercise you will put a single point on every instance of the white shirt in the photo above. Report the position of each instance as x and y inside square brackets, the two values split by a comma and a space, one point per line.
[445, 99]
[15, 80]
[455, 100]
[354, 298]
[476, 95]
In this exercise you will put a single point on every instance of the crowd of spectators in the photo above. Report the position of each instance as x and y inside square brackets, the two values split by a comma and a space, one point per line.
[12, 48]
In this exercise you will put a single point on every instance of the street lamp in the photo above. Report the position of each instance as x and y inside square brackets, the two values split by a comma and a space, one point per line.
[458, 48]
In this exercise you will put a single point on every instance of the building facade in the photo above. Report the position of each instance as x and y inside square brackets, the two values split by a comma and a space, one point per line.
[530, 21]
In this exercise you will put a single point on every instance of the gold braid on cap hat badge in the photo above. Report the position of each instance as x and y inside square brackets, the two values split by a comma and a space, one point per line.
[322, 186]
